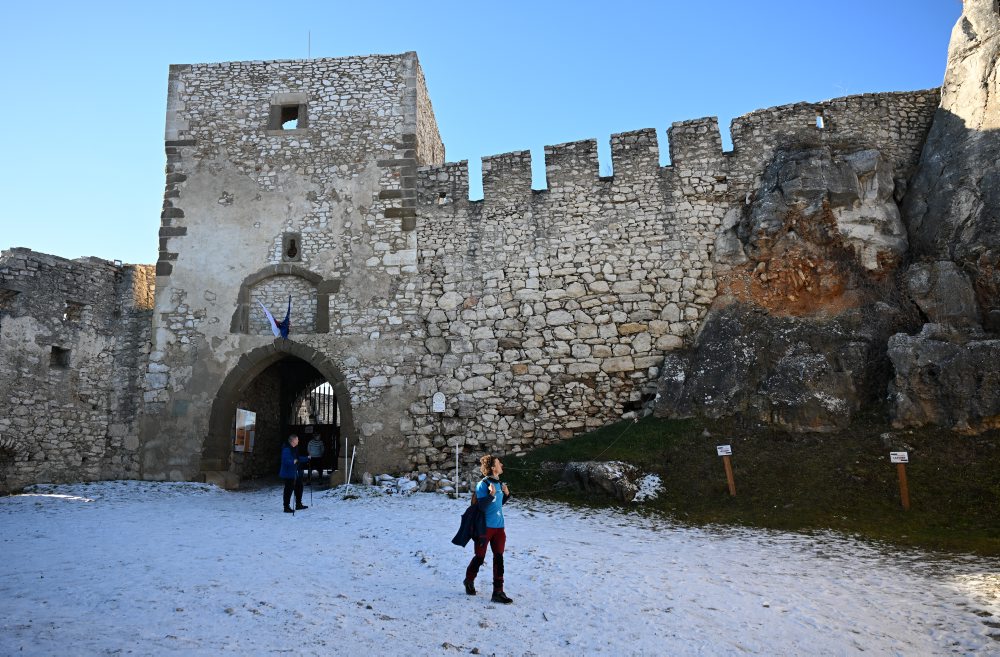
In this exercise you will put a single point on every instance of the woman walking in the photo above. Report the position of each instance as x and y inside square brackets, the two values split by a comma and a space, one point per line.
[491, 495]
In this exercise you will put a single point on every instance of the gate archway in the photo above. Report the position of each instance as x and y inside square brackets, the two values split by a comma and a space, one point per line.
[289, 366]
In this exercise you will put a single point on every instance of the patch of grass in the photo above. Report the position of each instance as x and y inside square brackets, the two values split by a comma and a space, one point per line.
[841, 481]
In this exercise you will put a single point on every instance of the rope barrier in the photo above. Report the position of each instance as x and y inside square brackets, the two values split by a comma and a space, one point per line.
[627, 428]
[593, 458]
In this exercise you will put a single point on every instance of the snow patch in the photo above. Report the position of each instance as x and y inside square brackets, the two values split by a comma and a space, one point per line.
[649, 488]
[190, 569]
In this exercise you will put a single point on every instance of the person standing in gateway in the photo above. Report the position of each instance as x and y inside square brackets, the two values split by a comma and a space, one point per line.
[291, 473]
[315, 448]
[491, 495]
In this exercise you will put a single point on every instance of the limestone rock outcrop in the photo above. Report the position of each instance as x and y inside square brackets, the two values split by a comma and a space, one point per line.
[946, 374]
[952, 208]
[820, 268]
[945, 377]
[829, 195]
[797, 373]
[943, 293]
[821, 232]
[797, 336]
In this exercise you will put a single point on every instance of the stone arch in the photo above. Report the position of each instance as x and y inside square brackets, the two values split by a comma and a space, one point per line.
[241, 317]
[218, 443]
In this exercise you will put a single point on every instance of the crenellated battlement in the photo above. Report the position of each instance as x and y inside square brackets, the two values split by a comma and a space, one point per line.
[571, 164]
[443, 183]
[895, 123]
[507, 175]
[635, 153]
[696, 144]
[552, 309]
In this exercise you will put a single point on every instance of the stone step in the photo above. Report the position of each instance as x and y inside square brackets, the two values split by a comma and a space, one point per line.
[222, 478]
[208, 465]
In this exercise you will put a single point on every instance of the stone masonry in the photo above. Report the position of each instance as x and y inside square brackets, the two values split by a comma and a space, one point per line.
[73, 340]
[549, 312]
[538, 313]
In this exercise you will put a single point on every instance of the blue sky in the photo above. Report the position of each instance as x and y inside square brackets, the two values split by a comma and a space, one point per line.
[85, 83]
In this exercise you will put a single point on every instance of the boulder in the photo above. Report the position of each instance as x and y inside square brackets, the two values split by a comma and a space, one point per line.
[800, 374]
[943, 293]
[945, 377]
[613, 478]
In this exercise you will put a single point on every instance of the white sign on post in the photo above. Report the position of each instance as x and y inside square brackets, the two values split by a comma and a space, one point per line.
[899, 457]
[724, 450]
[438, 402]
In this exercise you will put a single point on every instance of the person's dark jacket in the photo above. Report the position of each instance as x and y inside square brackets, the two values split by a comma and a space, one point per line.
[473, 526]
[291, 462]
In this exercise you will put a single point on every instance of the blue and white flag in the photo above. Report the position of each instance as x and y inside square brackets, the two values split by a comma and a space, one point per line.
[286, 324]
[270, 321]
[280, 329]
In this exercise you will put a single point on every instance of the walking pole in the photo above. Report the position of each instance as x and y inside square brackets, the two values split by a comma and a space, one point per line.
[350, 470]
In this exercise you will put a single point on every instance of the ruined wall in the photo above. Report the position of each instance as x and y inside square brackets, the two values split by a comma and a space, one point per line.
[549, 312]
[74, 336]
[239, 187]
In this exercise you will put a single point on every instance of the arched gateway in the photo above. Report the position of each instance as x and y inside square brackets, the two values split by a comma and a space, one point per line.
[268, 384]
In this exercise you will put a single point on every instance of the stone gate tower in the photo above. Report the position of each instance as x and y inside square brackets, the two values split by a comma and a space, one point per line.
[286, 179]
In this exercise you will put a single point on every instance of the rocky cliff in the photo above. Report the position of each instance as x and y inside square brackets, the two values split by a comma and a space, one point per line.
[845, 284]
[947, 374]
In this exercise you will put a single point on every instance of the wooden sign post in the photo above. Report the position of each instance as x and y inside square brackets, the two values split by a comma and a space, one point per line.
[725, 451]
[901, 459]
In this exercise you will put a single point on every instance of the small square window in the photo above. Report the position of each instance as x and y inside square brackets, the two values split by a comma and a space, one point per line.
[290, 117]
[293, 116]
[59, 358]
[72, 312]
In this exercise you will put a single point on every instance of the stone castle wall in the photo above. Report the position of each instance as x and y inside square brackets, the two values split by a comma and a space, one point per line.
[548, 312]
[74, 336]
[538, 313]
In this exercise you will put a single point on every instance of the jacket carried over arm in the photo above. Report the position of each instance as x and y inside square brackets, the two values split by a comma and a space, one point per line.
[473, 526]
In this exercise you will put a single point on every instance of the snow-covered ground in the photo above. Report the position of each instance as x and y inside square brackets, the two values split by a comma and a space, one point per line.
[159, 568]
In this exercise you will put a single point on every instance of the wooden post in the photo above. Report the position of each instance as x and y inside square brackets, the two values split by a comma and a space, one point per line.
[724, 451]
[904, 491]
[901, 459]
[729, 475]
